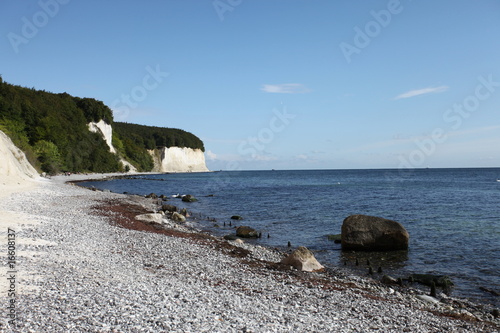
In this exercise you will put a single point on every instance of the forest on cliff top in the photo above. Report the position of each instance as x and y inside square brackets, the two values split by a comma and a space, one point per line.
[52, 130]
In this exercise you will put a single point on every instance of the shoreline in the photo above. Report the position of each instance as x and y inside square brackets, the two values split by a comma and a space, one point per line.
[88, 272]
[204, 220]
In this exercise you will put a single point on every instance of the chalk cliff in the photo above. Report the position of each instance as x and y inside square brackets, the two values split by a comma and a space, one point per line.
[60, 134]
[105, 130]
[176, 159]
[14, 167]
[173, 159]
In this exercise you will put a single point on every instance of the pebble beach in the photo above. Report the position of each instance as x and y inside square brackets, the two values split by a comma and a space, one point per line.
[84, 264]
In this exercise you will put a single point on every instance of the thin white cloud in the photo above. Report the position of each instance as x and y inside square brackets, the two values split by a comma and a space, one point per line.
[286, 88]
[417, 92]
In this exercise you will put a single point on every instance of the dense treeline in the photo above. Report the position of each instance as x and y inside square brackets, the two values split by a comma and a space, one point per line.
[151, 137]
[132, 142]
[137, 155]
[52, 129]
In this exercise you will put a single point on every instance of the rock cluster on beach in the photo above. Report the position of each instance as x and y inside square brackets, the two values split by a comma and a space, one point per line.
[91, 274]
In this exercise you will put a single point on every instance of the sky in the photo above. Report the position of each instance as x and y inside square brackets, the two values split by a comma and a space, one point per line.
[281, 84]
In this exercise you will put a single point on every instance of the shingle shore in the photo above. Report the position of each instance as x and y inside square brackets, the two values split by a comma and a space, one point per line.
[92, 275]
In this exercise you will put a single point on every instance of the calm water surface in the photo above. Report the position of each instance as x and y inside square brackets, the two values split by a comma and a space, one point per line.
[452, 215]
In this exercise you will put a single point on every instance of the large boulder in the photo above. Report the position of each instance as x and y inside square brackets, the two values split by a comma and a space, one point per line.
[189, 198]
[178, 217]
[150, 218]
[370, 233]
[168, 208]
[427, 279]
[302, 258]
[246, 232]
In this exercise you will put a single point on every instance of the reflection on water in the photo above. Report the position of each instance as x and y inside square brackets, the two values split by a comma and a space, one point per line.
[390, 260]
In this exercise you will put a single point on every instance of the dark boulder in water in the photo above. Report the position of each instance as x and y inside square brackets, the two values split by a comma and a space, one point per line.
[428, 279]
[246, 232]
[189, 198]
[236, 217]
[370, 233]
[169, 208]
[230, 237]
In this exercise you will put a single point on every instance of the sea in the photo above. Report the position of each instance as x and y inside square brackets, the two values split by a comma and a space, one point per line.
[451, 215]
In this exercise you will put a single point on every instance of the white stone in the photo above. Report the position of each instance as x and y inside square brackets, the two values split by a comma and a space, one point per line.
[150, 218]
[428, 299]
[302, 258]
[178, 217]
[105, 130]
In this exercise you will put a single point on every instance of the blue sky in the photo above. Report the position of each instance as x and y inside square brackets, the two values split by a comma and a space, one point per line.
[284, 84]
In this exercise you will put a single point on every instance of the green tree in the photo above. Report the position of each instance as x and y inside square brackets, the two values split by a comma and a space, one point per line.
[52, 130]
[48, 155]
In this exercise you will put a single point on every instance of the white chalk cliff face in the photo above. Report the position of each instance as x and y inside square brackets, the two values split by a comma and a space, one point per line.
[14, 167]
[176, 159]
[173, 159]
[106, 131]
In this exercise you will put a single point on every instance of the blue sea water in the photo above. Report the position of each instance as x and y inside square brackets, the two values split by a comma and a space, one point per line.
[452, 215]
